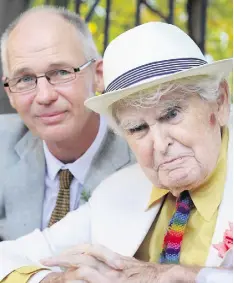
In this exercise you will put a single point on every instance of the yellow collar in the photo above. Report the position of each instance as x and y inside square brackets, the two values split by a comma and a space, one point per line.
[208, 196]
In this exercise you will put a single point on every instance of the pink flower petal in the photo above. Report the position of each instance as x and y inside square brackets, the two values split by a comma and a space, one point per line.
[227, 243]
[222, 249]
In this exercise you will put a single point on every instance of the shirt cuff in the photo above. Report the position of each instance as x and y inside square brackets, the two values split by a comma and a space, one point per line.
[39, 276]
[214, 275]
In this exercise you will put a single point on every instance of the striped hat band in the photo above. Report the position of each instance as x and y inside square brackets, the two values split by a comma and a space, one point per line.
[153, 69]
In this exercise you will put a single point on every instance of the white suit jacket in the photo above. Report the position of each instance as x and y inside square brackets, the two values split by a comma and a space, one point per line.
[116, 216]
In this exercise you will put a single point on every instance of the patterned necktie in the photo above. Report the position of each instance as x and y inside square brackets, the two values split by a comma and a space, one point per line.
[62, 206]
[176, 229]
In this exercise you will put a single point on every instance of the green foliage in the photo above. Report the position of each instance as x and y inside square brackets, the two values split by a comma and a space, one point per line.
[219, 35]
[219, 29]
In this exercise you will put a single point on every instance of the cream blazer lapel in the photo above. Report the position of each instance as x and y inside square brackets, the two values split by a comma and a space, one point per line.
[225, 210]
[122, 220]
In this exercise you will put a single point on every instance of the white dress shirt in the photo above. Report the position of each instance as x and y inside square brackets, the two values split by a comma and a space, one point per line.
[79, 170]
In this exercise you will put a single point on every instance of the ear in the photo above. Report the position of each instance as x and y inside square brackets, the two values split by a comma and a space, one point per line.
[99, 83]
[9, 93]
[223, 103]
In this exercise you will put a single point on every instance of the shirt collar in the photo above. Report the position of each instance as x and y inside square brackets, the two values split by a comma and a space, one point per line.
[80, 167]
[202, 195]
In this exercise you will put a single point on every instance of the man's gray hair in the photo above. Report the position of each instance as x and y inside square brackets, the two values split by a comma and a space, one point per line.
[89, 47]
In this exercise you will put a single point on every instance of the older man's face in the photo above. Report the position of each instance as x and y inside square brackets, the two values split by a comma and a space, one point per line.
[177, 142]
[42, 42]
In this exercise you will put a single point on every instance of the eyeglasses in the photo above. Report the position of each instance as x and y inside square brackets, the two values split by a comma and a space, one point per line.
[54, 77]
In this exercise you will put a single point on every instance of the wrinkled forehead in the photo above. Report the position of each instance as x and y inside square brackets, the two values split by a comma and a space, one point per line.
[139, 105]
[42, 37]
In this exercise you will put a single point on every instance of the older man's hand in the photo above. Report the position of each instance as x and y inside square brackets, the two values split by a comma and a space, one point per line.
[97, 264]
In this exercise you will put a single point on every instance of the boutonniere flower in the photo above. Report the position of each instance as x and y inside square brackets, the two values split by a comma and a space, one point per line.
[85, 195]
[227, 243]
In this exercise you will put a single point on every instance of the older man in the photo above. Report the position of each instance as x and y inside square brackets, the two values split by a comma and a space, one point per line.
[50, 67]
[173, 109]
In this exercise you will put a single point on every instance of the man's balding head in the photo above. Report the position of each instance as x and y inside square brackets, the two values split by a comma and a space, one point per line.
[36, 22]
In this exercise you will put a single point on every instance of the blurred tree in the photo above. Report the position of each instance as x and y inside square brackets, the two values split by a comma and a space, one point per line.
[197, 11]
[219, 23]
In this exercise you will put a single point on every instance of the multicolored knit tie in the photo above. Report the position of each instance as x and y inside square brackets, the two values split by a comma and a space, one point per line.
[176, 229]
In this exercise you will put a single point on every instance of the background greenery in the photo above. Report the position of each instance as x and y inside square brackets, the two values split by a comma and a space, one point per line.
[219, 28]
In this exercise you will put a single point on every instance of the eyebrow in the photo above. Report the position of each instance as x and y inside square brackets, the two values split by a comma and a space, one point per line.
[20, 71]
[163, 105]
[59, 64]
[128, 123]
[172, 101]
[167, 104]
[52, 66]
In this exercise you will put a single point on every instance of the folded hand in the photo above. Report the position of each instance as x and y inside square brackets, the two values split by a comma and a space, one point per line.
[97, 264]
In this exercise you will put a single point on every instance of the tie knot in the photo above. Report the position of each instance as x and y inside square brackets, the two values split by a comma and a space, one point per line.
[65, 178]
[185, 200]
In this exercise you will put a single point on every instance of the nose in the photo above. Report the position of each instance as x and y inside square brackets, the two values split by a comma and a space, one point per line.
[46, 93]
[161, 138]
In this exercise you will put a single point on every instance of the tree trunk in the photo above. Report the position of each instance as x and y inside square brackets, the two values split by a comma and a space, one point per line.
[197, 21]
[9, 10]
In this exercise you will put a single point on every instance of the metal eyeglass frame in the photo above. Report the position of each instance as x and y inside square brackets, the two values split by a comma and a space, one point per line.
[76, 70]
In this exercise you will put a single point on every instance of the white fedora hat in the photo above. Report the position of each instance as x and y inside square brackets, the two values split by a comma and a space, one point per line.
[148, 55]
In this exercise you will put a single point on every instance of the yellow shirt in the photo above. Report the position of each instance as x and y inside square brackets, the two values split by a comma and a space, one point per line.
[22, 275]
[199, 230]
[202, 221]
